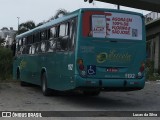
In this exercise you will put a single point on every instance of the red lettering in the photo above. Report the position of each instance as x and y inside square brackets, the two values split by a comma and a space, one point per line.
[122, 19]
[120, 32]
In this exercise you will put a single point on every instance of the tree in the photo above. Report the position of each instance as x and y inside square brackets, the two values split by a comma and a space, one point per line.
[39, 24]
[30, 24]
[59, 13]
[2, 41]
[23, 27]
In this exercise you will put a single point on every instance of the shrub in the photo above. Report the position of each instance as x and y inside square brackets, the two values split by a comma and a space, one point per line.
[5, 63]
[151, 73]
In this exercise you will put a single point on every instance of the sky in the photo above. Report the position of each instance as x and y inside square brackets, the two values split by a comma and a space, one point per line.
[41, 10]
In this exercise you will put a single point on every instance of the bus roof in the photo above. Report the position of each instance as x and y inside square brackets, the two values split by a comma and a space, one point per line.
[48, 24]
[68, 16]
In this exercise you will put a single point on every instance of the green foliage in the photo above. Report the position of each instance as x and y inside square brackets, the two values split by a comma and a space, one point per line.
[23, 27]
[39, 24]
[59, 13]
[151, 73]
[2, 41]
[5, 63]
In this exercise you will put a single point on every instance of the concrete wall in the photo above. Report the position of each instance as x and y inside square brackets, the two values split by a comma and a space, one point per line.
[156, 56]
[153, 41]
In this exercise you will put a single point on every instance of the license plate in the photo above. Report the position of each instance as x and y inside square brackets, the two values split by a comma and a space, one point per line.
[111, 69]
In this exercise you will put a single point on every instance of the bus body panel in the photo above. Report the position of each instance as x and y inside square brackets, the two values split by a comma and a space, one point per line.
[124, 57]
[110, 62]
[63, 78]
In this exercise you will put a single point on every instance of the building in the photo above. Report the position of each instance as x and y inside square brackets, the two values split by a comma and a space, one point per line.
[8, 35]
[153, 39]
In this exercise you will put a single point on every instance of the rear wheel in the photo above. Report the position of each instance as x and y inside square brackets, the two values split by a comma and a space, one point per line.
[45, 90]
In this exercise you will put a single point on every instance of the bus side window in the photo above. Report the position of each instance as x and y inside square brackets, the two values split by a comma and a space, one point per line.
[24, 41]
[30, 39]
[44, 35]
[37, 37]
[33, 49]
[51, 45]
[24, 45]
[62, 43]
[27, 44]
[36, 48]
[43, 46]
[17, 48]
[48, 34]
[72, 34]
[20, 49]
[20, 42]
[62, 29]
[52, 32]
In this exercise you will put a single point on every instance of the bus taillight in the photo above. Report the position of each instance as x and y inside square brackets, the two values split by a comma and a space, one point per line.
[80, 63]
[141, 70]
[81, 67]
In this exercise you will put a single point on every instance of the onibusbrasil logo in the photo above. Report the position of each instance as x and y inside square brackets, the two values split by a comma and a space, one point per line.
[114, 56]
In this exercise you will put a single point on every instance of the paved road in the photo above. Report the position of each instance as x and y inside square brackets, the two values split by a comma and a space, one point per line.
[13, 97]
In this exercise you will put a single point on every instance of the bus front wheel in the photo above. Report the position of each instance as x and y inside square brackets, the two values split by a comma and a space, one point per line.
[45, 90]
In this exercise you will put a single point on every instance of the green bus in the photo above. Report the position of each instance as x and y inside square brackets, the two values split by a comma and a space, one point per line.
[89, 50]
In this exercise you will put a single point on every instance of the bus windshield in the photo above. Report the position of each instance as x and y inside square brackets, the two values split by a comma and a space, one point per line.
[112, 25]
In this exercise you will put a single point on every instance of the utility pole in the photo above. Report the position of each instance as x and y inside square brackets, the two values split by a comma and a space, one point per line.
[118, 7]
[18, 22]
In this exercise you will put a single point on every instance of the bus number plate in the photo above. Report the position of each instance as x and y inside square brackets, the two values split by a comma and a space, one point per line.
[130, 75]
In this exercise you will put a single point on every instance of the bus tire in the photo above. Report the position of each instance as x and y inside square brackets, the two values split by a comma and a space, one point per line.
[45, 90]
[91, 93]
